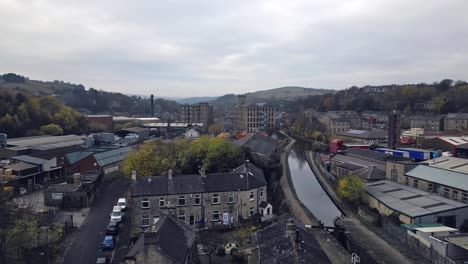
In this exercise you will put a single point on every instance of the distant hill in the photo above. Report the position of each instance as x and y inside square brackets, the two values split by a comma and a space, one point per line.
[194, 100]
[288, 92]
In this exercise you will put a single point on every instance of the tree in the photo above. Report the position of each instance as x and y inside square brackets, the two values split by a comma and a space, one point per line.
[216, 128]
[351, 188]
[242, 234]
[444, 85]
[97, 128]
[52, 129]
[210, 241]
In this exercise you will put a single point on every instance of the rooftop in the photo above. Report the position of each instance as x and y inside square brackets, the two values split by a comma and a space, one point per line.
[455, 140]
[111, 156]
[457, 116]
[258, 143]
[460, 240]
[277, 244]
[449, 178]
[449, 163]
[174, 125]
[410, 201]
[365, 134]
[46, 142]
[135, 129]
[195, 183]
[169, 237]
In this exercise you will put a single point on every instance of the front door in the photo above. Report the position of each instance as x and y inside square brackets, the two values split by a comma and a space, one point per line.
[226, 218]
[191, 219]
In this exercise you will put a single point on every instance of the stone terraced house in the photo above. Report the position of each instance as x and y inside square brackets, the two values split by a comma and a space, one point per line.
[200, 199]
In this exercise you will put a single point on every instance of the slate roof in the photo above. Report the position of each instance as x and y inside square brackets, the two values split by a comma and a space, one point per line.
[263, 204]
[427, 117]
[449, 178]
[371, 173]
[258, 143]
[372, 155]
[195, 183]
[410, 201]
[457, 116]
[170, 238]
[277, 245]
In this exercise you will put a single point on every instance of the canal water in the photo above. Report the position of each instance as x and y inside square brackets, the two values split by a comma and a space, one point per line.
[308, 189]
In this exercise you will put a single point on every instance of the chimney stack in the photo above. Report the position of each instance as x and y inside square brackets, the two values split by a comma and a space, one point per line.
[169, 174]
[203, 172]
[152, 105]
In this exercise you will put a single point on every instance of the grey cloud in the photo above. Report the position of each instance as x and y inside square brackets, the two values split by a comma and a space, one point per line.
[184, 48]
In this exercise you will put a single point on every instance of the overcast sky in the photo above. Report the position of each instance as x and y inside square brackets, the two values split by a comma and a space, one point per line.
[194, 48]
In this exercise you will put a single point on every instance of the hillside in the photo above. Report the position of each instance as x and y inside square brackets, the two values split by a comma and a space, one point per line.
[90, 100]
[288, 92]
[194, 100]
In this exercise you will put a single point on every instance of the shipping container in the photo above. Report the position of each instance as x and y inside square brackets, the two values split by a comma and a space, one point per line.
[393, 152]
[417, 154]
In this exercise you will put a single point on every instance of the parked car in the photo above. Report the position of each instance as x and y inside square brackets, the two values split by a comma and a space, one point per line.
[116, 214]
[112, 228]
[122, 202]
[108, 243]
[103, 260]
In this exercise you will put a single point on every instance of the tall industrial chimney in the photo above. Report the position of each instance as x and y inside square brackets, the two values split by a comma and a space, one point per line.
[152, 105]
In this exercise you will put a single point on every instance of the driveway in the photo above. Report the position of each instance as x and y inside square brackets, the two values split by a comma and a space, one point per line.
[87, 244]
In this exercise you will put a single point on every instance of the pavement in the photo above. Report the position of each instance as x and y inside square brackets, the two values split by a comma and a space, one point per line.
[86, 247]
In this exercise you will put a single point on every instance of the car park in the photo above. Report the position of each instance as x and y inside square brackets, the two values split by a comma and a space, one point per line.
[122, 202]
[116, 214]
[108, 243]
[112, 228]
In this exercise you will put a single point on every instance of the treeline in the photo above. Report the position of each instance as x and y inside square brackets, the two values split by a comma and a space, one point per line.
[95, 101]
[440, 97]
[26, 115]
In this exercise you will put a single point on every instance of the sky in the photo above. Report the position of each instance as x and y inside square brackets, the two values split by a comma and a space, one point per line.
[212, 47]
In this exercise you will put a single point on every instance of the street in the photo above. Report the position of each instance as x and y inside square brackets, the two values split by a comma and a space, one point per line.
[87, 245]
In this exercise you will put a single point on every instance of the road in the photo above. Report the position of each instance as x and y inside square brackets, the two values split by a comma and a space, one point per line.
[88, 239]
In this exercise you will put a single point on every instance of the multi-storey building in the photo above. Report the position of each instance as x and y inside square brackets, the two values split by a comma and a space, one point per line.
[341, 121]
[455, 121]
[253, 117]
[428, 122]
[197, 113]
[199, 199]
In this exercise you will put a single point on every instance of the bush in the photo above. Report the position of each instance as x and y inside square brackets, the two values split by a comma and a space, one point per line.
[220, 252]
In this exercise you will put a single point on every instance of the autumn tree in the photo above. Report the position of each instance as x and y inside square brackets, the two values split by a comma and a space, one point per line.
[52, 129]
[351, 188]
[216, 128]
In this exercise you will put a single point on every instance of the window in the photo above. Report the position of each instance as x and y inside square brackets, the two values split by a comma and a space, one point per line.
[251, 211]
[197, 199]
[430, 187]
[261, 192]
[465, 197]
[162, 202]
[406, 181]
[145, 203]
[394, 174]
[145, 220]
[182, 200]
[215, 199]
[415, 183]
[446, 192]
[181, 216]
[231, 198]
[252, 196]
[215, 215]
[455, 195]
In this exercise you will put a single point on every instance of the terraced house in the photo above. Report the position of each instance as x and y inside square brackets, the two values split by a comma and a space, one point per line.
[200, 199]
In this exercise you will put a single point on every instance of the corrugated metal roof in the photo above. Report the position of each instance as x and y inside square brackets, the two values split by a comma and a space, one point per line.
[74, 157]
[30, 159]
[111, 156]
[449, 178]
[449, 163]
[436, 229]
[410, 201]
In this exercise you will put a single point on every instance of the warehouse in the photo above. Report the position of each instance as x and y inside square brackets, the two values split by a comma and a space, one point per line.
[414, 206]
[455, 145]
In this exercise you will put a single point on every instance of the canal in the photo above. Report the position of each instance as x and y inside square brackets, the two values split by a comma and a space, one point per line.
[308, 189]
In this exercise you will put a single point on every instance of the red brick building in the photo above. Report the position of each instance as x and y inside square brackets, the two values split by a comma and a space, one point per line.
[105, 120]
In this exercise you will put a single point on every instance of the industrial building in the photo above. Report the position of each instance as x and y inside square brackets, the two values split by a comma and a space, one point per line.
[457, 146]
[414, 206]
[197, 113]
[253, 117]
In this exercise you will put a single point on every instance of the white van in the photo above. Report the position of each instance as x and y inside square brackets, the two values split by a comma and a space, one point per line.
[116, 214]
[122, 202]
